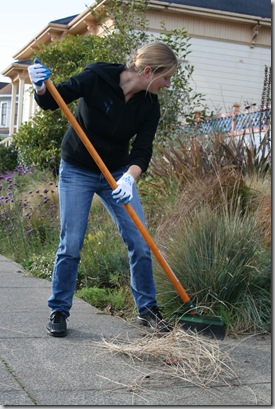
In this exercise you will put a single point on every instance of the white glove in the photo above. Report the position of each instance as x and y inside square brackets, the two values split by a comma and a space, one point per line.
[124, 191]
[38, 73]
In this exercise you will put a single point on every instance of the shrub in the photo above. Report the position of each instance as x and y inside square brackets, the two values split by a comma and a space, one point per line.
[104, 298]
[220, 261]
[40, 265]
[8, 158]
[38, 141]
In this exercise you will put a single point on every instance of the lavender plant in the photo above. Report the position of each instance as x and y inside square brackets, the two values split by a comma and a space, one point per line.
[29, 219]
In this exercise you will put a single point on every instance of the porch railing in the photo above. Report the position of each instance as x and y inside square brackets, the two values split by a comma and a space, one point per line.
[256, 121]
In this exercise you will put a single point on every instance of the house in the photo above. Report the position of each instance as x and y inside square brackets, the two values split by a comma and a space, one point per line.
[5, 109]
[230, 48]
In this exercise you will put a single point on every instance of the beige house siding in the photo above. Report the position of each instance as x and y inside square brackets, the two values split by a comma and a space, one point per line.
[229, 55]
[227, 73]
[239, 31]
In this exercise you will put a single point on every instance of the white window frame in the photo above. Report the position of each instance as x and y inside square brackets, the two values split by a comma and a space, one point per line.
[4, 114]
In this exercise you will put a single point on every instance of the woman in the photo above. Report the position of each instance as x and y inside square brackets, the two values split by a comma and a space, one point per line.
[116, 103]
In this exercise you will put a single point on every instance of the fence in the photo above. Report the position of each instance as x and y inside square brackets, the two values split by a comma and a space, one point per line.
[236, 123]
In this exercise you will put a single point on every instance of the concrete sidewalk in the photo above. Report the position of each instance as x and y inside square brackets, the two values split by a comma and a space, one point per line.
[36, 369]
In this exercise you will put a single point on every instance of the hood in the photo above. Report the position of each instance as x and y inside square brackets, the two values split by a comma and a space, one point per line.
[108, 71]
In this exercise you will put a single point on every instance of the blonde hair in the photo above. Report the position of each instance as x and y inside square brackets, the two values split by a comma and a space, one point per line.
[156, 55]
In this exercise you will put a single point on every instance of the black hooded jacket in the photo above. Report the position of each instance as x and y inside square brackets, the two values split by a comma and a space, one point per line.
[108, 121]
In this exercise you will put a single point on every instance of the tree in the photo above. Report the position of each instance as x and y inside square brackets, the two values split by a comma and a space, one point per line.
[38, 141]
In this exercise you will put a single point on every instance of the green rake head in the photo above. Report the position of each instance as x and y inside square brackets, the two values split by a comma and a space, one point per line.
[213, 327]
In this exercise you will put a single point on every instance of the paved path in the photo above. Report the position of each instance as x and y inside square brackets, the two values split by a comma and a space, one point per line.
[36, 369]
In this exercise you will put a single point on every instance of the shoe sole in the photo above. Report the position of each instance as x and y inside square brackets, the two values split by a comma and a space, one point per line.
[145, 323]
[57, 334]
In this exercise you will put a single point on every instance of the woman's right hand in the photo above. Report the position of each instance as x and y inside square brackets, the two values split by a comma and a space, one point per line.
[38, 73]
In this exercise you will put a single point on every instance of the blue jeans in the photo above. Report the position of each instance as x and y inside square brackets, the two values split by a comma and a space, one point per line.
[77, 187]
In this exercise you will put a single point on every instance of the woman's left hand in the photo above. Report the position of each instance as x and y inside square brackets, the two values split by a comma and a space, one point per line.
[124, 191]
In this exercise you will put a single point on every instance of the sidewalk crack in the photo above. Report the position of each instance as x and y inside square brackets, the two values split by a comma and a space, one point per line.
[17, 380]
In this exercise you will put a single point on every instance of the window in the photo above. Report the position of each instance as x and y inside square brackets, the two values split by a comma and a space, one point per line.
[16, 114]
[3, 111]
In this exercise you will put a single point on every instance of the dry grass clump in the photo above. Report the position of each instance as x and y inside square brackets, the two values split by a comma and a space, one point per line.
[223, 190]
[261, 190]
[177, 355]
[264, 219]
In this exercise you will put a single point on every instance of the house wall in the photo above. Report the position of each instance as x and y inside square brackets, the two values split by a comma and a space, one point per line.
[28, 109]
[213, 24]
[229, 54]
[227, 73]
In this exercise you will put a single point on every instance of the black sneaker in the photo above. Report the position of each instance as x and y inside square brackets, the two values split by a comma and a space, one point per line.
[154, 319]
[57, 325]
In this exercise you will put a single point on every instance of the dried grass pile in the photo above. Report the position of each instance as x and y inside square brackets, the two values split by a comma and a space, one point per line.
[177, 355]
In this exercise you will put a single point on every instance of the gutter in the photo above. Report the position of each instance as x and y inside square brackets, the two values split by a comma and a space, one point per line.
[204, 12]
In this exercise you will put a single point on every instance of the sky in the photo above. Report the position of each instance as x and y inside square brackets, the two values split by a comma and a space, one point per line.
[21, 20]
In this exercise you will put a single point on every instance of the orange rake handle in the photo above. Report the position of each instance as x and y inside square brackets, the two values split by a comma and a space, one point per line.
[142, 229]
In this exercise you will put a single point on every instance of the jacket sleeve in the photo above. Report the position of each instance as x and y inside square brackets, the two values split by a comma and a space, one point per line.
[142, 146]
[76, 87]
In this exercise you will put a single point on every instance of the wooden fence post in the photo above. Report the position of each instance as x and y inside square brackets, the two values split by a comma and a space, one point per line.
[235, 111]
[197, 117]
